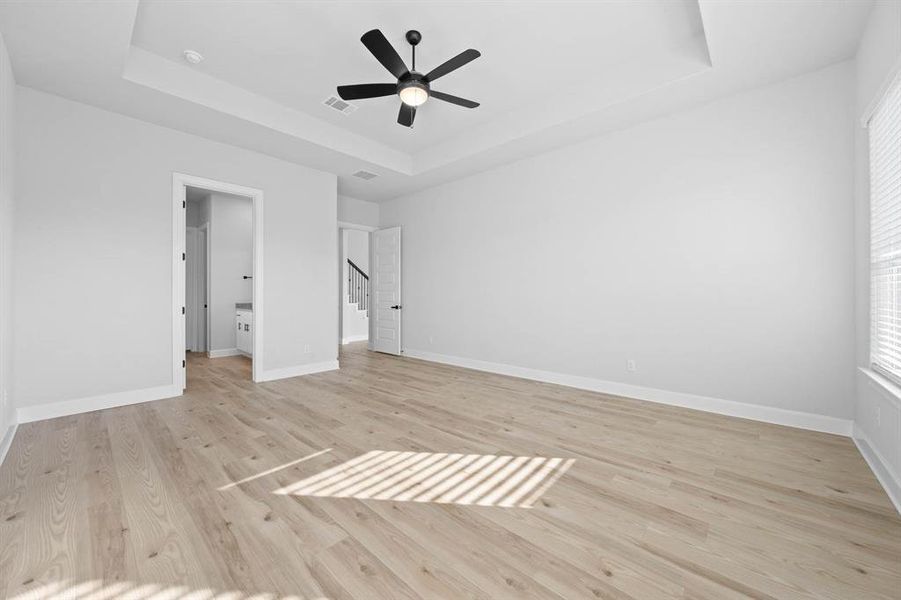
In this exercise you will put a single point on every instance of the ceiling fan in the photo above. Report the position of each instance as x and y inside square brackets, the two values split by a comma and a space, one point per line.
[413, 87]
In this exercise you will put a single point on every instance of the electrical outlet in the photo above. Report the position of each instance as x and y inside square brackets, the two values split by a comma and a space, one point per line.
[306, 349]
[431, 340]
[631, 366]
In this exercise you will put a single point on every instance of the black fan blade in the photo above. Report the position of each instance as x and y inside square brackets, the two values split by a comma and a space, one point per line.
[366, 90]
[384, 52]
[453, 64]
[453, 99]
[406, 115]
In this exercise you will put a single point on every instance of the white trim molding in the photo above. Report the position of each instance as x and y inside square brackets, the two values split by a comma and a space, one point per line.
[297, 371]
[766, 414]
[885, 386]
[355, 338]
[349, 225]
[224, 353]
[893, 74]
[7, 441]
[51, 410]
[879, 466]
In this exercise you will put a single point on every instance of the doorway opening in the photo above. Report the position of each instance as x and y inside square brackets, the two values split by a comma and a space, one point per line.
[217, 282]
[353, 315]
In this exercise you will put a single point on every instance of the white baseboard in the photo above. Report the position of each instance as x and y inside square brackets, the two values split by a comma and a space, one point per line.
[879, 466]
[7, 441]
[354, 338]
[51, 410]
[224, 353]
[309, 369]
[767, 414]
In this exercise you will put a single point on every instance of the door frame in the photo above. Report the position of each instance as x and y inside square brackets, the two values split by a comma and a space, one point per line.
[180, 182]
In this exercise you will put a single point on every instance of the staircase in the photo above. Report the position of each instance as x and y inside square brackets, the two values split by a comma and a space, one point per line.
[357, 286]
[355, 324]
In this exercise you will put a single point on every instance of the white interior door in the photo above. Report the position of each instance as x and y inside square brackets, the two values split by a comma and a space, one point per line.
[192, 264]
[385, 266]
[203, 301]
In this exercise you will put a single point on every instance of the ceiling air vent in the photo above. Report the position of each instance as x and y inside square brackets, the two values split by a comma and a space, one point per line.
[340, 105]
[365, 175]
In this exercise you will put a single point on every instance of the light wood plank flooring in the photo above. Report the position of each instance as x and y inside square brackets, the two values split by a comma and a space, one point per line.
[176, 498]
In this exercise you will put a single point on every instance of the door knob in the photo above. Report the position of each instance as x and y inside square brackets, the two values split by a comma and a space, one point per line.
[396, 307]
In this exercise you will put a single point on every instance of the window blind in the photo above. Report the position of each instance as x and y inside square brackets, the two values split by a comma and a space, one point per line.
[885, 234]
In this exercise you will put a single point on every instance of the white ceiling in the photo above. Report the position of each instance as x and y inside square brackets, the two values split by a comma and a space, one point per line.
[551, 73]
[539, 53]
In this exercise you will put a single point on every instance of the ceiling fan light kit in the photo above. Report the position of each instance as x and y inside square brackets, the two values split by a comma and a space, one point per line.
[413, 92]
[413, 88]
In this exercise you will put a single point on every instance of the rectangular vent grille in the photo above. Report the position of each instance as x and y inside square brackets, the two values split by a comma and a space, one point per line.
[340, 105]
[365, 175]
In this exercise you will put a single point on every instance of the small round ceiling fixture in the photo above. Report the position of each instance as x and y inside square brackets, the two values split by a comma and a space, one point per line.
[193, 56]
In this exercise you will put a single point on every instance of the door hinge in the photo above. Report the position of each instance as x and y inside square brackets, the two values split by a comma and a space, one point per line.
[182, 364]
[184, 204]
[182, 310]
[182, 255]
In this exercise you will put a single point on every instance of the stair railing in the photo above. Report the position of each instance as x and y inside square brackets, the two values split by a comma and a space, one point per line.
[358, 286]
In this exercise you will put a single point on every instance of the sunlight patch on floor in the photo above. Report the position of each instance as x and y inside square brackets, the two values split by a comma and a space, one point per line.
[467, 479]
[273, 470]
[126, 590]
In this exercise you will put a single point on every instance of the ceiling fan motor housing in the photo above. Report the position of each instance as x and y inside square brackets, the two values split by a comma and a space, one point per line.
[413, 79]
[413, 37]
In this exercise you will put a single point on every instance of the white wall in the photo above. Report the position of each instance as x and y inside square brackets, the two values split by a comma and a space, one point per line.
[713, 247]
[94, 242]
[198, 212]
[357, 247]
[878, 408]
[7, 166]
[358, 212]
[231, 257]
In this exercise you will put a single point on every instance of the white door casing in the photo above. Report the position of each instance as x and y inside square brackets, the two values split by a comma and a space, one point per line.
[180, 182]
[386, 309]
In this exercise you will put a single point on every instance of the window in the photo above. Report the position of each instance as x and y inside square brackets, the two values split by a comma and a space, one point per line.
[885, 234]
